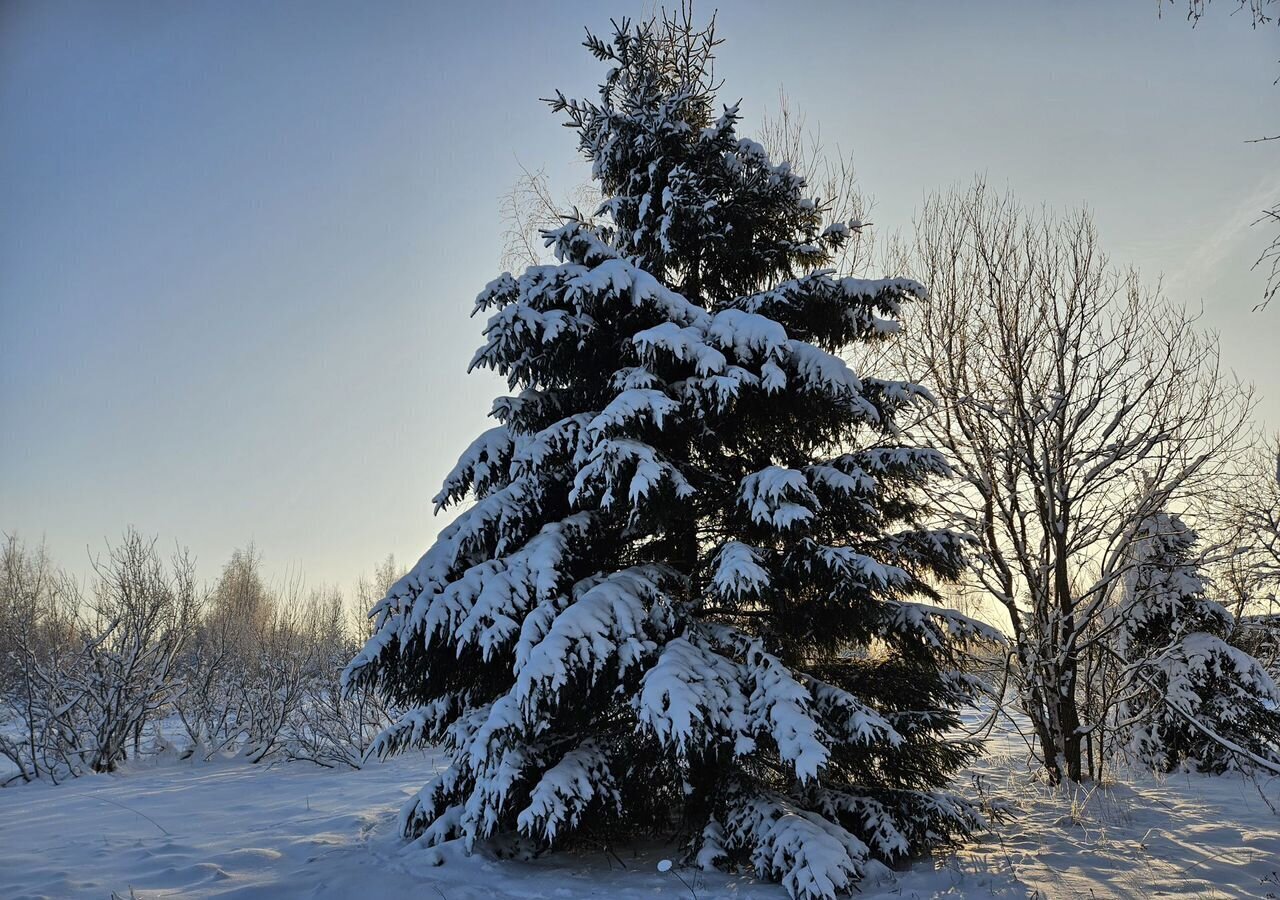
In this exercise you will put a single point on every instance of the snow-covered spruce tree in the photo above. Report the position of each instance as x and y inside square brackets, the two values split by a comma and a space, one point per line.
[680, 601]
[1193, 698]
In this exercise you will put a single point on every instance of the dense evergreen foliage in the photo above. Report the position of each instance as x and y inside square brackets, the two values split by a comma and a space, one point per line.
[692, 593]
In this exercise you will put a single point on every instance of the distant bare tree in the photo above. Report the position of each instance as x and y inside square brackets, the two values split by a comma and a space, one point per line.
[527, 209]
[369, 590]
[833, 179]
[337, 727]
[212, 704]
[530, 208]
[1249, 576]
[242, 597]
[1074, 405]
[1250, 512]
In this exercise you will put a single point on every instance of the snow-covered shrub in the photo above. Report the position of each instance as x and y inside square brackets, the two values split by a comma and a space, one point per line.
[143, 615]
[692, 592]
[219, 671]
[248, 670]
[1189, 696]
[337, 726]
[276, 682]
[333, 726]
[38, 604]
[318, 723]
[85, 699]
[261, 678]
[246, 686]
[207, 701]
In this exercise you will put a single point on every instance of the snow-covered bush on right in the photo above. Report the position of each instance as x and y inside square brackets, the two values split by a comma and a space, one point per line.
[1189, 697]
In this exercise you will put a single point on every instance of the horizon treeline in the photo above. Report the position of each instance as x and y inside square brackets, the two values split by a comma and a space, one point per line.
[143, 657]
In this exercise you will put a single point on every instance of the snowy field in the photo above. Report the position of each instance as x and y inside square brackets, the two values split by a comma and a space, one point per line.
[231, 829]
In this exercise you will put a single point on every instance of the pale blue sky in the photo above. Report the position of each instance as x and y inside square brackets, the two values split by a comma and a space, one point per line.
[239, 241]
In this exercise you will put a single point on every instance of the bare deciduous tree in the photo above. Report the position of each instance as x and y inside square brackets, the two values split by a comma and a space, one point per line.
[1074, 404]
[1249, 574]
[87, 680]
[37, 634]
[529, 208]
[143, 615]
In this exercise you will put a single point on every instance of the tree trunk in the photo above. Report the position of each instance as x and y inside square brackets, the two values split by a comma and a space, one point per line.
[1068, 709]
[1069, 721]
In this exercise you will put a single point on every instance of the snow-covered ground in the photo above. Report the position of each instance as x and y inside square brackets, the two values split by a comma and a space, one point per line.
[1137, 836]
[231, 829]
